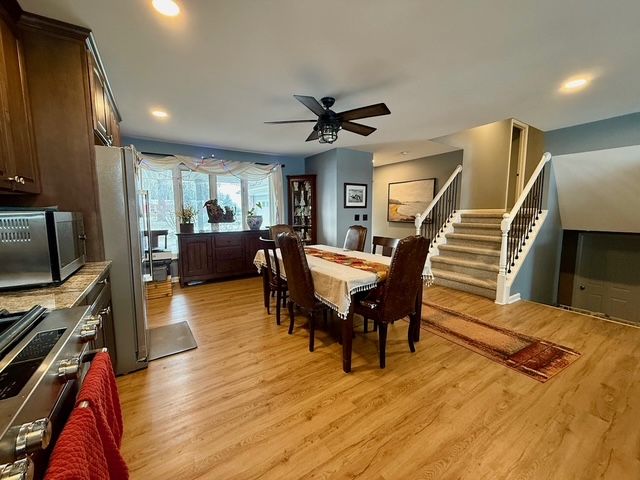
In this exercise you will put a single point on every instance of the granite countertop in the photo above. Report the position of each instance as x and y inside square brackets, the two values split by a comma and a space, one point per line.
[68, 294]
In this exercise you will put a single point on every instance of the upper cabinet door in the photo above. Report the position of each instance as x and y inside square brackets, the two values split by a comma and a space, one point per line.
[19, 164]
[100, 119]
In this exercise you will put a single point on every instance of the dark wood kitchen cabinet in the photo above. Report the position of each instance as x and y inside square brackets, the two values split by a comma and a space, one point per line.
[217, 255]
[106, 119]
[18, 160]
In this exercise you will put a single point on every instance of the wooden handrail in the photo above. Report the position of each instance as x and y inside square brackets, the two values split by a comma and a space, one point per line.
[508, 219]
[421, 217]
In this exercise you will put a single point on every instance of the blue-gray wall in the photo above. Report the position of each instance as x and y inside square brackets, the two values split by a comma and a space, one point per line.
[610, 133]
[334, 168]
[324, 166]
[539, 275]
[354, 167]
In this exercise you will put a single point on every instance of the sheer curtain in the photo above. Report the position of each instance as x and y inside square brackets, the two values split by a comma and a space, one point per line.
[241, 170]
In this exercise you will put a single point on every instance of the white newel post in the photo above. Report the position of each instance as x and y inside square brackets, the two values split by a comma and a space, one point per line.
[418, 223]
[502, 290]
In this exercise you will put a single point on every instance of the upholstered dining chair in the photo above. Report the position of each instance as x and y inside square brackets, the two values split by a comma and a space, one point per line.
[301, 288]
[396, 298]
[356, 238]
[276, 230]
[275, 283]
[386, 244]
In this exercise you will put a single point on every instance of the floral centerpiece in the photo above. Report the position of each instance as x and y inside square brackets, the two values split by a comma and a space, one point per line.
[217, 214]
[187, 215]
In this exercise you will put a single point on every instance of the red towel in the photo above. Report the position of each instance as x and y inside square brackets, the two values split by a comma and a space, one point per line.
[100, 391]
[78, 454]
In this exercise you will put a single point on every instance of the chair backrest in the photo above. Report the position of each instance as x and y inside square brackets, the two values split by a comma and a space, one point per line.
[404, 279]
[387, 244]
[356, 238]
[273, 267]
[299, 280]
[276, 230]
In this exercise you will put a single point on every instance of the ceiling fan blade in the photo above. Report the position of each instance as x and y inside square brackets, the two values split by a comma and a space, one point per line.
[315, 135]
[365, 112]
[294, 121]
[311, 103]
[358, 128]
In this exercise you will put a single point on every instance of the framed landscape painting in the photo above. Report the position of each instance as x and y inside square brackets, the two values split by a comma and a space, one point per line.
[406, 199]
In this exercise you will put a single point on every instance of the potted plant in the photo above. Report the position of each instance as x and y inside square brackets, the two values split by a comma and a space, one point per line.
[254, 221]
[187, 216]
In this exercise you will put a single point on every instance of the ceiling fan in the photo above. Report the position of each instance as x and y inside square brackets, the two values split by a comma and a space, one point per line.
[329, 122]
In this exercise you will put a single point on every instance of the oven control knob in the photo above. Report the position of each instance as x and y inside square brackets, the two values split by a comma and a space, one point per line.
[88, 333]
[93, 321]
[33, 437]
[20, 470]
[69, 369]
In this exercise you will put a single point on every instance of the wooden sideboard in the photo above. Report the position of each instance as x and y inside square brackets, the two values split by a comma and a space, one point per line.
[217, 255]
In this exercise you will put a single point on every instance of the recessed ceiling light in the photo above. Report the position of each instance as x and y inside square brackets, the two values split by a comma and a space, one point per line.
[159, 113]
[404, 153]
[574, 84]
[166, 7]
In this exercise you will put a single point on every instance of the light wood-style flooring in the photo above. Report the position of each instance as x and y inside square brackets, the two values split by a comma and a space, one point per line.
[253, 402]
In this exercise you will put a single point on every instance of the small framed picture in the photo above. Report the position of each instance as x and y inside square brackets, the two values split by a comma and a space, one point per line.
[355, 195]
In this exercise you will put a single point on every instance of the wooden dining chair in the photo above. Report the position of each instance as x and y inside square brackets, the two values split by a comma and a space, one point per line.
[276, 230]
[386, 244]
[275, 283]
[396, 298]
[301, 288]
[356, 238]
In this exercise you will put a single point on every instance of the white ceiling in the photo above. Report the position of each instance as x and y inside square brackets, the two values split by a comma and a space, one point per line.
[222, 68]
[403, 151]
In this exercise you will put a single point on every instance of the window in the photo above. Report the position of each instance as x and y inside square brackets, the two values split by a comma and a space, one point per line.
[260, 192]
[196, 191]
[229, 194]
[162, 206]
[171, 190]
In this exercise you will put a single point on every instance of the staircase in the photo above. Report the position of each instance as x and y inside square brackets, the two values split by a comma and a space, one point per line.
[469, 260]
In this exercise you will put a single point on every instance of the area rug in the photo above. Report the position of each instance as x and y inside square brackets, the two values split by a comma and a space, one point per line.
[532, 356]
[170, 339]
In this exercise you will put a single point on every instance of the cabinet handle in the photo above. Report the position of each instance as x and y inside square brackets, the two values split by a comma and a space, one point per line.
[14, 179]
[21, 180]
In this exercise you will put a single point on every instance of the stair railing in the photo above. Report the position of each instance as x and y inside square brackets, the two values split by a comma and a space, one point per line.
[432, 222]
[518, 224]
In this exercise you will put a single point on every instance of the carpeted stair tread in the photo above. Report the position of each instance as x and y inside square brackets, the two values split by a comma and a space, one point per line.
[466, 279]
[484, 226]
[475, 238]
[465, 263]
[471, 250]
[482, 214]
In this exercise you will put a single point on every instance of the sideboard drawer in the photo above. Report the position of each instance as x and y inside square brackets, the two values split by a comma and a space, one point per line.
[228, 240]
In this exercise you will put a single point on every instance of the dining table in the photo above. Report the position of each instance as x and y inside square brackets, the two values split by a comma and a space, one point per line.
[338, 276]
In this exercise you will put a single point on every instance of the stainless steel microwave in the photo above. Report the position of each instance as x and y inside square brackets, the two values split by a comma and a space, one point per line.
[39, 247]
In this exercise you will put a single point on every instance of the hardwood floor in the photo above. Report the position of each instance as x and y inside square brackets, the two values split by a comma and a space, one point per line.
[253, 402]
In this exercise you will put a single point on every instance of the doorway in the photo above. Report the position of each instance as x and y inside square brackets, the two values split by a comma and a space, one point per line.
[517, 162]
[607, 278]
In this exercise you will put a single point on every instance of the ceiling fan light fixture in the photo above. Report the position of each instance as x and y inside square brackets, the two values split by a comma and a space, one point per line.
[329, 133]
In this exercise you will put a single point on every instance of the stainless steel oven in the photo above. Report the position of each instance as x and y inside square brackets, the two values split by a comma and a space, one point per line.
[39, 247]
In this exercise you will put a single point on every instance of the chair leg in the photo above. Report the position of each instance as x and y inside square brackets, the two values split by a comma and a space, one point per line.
[412, 330]
[291, 316]
[375, 325]
[382, 340]
[312, 329]
[366, 324]
[278, 303]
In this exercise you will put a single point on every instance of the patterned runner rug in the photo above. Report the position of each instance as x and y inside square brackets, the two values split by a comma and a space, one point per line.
[532, 356]
[380, 269]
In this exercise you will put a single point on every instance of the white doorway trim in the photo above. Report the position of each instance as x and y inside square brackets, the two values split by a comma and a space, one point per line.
[522, 159]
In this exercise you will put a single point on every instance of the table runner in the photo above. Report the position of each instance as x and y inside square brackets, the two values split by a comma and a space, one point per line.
[334, 282]
[378, 268]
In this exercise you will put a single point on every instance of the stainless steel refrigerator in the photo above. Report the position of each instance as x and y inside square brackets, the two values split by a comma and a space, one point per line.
[124, 213]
